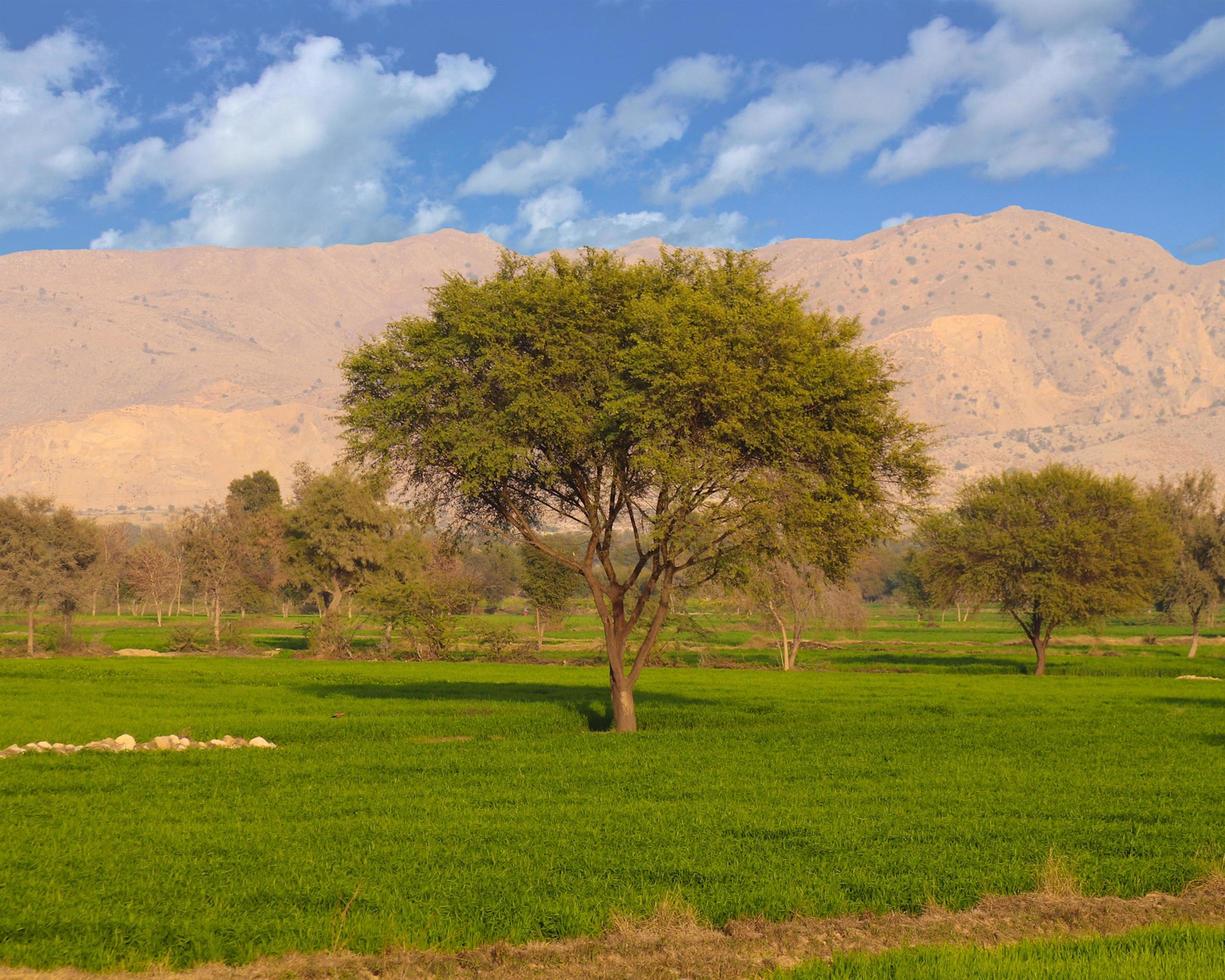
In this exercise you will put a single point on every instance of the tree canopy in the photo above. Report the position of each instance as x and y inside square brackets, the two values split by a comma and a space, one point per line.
[1059, 546]
[686, 400]
[44, 553]
[1196, 513]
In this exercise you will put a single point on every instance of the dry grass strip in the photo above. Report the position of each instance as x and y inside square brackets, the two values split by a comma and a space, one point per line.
[672, 943]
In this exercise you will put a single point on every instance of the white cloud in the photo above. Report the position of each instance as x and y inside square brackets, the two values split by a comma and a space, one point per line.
[556, 219]
[216, 52]
[301, 156]
[1059, 15]
[356, 8]
[432, 215]
[896, 220]
[1034, 93]
[821, 118]
[1032, 104]
[1199, 53]
[640, 122]
[54, 107]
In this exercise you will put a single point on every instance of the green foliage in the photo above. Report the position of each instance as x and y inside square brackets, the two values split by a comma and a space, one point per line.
[419, 589]
[1059, 546]
[255, 492]
[688, 400]
[45, 553]
[756, 793]
[336, 535]
[1196, 513]
[546, 582]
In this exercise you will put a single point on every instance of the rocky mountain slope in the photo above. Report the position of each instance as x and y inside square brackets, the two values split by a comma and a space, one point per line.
[151, 379]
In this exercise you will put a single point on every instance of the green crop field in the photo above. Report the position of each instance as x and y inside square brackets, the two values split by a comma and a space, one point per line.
[1146, 954]
[452, 804]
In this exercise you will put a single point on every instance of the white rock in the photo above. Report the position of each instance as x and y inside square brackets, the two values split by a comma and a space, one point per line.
[125, 743]
[43, 745]
[259, 742]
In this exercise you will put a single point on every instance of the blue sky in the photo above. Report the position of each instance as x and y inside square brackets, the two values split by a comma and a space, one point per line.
[154, 123]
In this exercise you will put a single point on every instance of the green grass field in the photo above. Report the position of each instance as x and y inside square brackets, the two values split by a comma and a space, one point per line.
[712, 635]
[1146, 954]
[459, 803]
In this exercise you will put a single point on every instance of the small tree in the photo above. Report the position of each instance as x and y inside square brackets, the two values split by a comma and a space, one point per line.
[253, 493]
[687, 403]
[336, 534]
[796, 597]
[45, 552]
[420, 588]
[909, 584]
[153, 574]
[1197, 515]
[549, 586]
[215, 554]
[1058, 546]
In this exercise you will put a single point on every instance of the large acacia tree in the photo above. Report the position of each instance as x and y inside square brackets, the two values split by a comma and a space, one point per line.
[686, 403]
[1059, 546]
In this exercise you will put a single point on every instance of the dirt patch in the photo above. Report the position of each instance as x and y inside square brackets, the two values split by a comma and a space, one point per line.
[673, 943]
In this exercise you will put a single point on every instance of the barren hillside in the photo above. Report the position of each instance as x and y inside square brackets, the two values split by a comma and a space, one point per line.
[151, 379]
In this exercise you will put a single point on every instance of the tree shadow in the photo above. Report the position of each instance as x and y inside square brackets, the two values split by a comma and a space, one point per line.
[961, 662]
[1185, 700]
[589, 702]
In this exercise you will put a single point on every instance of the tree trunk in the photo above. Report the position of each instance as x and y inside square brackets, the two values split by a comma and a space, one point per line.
[216, 616]
[625, 718]
[1040, 650]
[30, 630]
[794, 655]
[158, 607]
[539, 631]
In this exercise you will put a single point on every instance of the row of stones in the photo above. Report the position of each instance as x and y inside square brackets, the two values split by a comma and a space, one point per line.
[126, 743]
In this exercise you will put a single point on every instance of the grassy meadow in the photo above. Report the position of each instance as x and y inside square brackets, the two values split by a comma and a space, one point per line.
[451, 804]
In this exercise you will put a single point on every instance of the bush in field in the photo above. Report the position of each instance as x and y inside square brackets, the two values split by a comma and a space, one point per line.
[687, 402]
[1059, 546]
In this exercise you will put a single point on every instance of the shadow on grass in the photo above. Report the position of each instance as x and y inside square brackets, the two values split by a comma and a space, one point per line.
[590, 703]
[1205, 702]
[953, 662]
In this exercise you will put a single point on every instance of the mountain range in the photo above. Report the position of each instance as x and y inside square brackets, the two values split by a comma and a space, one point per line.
[150, 379]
